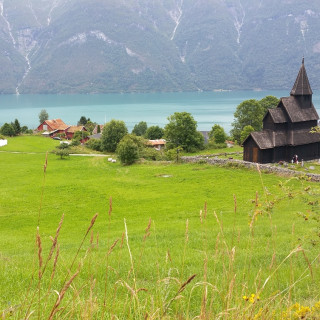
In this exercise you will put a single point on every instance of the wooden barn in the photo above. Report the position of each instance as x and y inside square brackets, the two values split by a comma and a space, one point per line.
[286, 128]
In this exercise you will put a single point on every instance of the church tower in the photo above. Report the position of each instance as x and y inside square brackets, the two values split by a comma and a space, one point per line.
[301, 89]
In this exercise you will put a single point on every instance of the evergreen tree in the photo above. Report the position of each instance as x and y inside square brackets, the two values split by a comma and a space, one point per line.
[16, 127]
[43, 115]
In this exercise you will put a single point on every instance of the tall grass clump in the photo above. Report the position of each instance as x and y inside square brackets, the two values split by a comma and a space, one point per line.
[213, 269]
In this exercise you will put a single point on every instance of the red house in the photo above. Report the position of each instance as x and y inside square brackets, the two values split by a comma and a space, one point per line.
[53, 127]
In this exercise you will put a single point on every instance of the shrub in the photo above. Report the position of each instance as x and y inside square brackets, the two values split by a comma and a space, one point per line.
[128, 150]
[94, 144]
[75, 142]
[152, 154]
[174, 154]
[213, 145]
[7, 130]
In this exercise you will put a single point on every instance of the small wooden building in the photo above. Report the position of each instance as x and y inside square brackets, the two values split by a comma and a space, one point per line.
[286, 128]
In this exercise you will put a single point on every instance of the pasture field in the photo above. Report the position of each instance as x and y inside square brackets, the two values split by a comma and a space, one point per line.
[171, 241]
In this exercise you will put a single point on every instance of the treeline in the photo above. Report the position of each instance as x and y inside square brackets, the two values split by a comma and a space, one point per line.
[14, 129]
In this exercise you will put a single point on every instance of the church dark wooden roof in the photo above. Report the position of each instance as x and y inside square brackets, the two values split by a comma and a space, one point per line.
[272, 139]
[301, 85]
[296, 113]
[278, 115]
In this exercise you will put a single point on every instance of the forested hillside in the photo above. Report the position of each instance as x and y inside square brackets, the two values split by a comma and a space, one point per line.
[78, 46]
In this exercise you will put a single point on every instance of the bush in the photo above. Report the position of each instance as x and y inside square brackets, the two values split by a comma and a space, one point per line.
[152, 154]
[127, 150]
[174, 154]
[7, 130]
[75, 142]
[94, 144]
[213, 145]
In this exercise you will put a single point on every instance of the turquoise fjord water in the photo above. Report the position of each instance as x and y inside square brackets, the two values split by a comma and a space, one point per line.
[207, 108]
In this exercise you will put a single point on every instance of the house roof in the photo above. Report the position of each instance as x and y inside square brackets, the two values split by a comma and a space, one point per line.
[56, 124]
[73, 129]
[95, 136]
[295, 112]
[301, 86]
[270, 139]
[157, 142]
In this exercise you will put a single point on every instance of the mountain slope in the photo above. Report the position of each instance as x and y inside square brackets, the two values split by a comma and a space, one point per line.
[69, 46]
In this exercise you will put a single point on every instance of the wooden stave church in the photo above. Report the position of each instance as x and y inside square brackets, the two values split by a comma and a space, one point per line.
[286, 128]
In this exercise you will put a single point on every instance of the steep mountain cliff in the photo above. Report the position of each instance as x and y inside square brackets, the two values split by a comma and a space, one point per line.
[72, 46]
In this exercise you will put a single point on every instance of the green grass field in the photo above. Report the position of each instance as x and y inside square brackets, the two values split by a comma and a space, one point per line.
[246, 234]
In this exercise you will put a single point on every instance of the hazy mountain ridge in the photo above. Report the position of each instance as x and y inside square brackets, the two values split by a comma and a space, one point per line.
[66, 46]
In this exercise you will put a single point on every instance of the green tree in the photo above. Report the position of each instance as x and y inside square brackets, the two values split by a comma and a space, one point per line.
[90, 126]
[217, 134]
[128, 150]
[112, 133]
[7, 130]
[154, 133]
[269, 102]
[43, 115]
[79, 135]
[182, 131]
[245, 133]
[98, 128]
[16, 127]
[83, 121]
[62, 153]
[248, 113]
[24, 129]
[140, 128]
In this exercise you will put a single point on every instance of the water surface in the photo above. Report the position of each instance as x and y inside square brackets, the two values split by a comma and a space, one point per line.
[208, 108]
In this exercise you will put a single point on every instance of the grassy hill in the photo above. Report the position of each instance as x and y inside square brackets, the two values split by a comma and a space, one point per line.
[231, 232]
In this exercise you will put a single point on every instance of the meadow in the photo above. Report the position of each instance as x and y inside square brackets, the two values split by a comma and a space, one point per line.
[171, 241]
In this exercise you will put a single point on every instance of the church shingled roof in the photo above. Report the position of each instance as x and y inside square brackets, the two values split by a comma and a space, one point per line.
[296, 113]
[269, 140]
[301, 86]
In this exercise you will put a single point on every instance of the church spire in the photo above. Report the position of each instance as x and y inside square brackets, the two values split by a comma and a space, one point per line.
[301, 86]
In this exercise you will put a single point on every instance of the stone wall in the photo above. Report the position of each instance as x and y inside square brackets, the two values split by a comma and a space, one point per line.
[272, 168]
